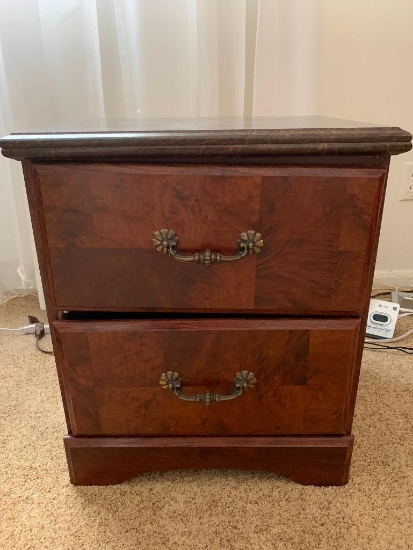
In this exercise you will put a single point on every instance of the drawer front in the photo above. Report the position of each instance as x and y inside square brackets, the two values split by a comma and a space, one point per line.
[316, 224]
[112, 371]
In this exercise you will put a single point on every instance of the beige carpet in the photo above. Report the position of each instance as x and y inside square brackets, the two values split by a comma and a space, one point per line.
[198, 510]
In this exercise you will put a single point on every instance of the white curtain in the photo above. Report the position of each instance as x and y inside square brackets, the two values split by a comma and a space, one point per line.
[70, 60]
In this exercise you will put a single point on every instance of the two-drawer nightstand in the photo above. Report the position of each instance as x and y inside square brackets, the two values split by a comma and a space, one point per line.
[207, 284]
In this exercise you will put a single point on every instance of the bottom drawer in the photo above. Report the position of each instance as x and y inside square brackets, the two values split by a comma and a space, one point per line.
[112, 371]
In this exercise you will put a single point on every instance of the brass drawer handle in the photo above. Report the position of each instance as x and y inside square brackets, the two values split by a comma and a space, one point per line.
[166, 242]
[172, 381]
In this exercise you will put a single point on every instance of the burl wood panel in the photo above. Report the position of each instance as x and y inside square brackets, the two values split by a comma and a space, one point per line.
[316, 224]
[306, 460]
[112, 371]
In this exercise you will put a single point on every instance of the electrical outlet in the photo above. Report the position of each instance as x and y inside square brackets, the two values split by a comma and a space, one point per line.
[406, 192]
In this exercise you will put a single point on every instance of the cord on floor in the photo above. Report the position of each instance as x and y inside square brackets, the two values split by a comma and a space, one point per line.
[39, 333]
[35, 327]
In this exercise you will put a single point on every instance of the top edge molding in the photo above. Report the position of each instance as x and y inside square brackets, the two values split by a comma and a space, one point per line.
[188, 139]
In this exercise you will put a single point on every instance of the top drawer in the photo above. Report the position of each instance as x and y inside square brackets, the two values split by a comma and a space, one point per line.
[317, 225]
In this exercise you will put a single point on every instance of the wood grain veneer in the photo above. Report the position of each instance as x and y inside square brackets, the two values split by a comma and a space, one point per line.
[303, 368]
[316, 224]
[121, 313]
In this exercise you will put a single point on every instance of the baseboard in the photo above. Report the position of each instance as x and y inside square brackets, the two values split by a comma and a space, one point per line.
[393, 277]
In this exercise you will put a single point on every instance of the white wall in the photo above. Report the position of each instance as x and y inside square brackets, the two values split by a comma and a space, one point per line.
[366, 74]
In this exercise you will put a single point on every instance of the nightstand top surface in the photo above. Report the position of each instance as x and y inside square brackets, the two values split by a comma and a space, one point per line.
[206, 137]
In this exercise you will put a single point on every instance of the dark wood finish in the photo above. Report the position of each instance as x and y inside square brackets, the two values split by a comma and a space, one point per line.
[40, 239]
[225, 128]
[314, 187]
[112, 371]
[195, 139]
[371, 262]
[316, 225]
[306, 460]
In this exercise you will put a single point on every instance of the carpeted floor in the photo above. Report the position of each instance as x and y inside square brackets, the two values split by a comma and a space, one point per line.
[198, 510]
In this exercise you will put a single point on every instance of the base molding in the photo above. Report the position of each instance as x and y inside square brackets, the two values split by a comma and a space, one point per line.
[306, 460]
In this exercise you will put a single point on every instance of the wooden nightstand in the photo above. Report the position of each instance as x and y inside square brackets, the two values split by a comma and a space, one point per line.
[207, 284]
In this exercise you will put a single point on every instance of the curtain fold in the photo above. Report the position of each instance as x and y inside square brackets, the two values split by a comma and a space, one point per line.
[75, 60]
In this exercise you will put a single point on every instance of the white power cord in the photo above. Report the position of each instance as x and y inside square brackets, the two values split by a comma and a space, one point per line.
[386, 340]
[387, 289]
[37, 328]
[28, 329]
